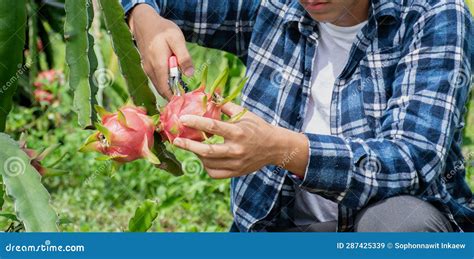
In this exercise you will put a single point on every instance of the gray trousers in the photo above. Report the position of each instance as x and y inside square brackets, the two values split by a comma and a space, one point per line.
[395, 214]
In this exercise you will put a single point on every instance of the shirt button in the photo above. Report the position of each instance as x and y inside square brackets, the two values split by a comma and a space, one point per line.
[307, 72]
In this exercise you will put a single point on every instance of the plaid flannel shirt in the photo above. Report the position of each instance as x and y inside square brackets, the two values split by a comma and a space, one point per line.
[396, 112]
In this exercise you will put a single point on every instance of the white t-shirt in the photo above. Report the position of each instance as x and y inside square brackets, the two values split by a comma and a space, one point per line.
[332, 54]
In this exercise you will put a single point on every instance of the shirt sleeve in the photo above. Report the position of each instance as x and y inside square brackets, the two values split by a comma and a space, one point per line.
[129, 4]
[417, 129]
[224, 25]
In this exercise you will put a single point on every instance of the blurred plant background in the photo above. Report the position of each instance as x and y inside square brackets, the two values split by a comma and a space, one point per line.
[84, 192]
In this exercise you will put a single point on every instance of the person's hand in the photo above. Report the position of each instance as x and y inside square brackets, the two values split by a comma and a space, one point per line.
[157, 39]
[249, 144]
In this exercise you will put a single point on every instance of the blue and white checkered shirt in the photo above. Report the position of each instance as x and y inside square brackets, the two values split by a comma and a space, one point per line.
[396, 112]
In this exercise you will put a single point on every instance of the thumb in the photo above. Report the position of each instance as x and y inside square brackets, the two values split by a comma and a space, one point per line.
[178, 46]
[232, 109]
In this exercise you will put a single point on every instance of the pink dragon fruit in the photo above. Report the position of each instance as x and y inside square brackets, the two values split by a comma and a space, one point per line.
[46, 86]
[48, 77]
[197, 102]
[124, 136]
[43, 96]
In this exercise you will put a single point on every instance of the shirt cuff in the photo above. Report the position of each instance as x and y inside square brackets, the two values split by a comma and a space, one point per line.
[128, 5]
[330, 163]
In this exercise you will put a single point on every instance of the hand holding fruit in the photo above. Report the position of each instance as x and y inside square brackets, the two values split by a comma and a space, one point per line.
[249, 143]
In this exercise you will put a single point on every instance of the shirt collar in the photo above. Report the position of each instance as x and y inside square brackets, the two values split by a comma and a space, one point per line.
[296, 15]
[384, 12]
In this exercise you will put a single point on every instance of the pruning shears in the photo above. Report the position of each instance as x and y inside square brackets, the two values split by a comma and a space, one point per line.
[175, 82]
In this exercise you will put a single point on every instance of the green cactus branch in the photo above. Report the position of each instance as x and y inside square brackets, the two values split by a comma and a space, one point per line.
[128, 56]
[23, 183]
[80, 58]
[33, 40]
[12, 40]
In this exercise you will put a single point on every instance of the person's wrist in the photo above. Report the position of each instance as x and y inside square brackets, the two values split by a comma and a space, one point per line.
[290, 150]
[138, 13]
[280, 145]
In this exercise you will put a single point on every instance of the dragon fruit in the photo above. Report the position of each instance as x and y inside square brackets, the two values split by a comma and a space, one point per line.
[46, 86]
[49, 77]
[197, 102]
[123, 136]
[43, 96]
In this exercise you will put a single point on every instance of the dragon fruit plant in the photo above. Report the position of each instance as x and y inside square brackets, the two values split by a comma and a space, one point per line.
[37, 157]
[199, 103]
[127, 135]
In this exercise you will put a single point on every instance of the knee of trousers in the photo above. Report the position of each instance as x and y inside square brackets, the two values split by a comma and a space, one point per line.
[401, 214]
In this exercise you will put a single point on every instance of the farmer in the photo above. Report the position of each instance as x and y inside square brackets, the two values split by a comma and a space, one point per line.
[356, 108]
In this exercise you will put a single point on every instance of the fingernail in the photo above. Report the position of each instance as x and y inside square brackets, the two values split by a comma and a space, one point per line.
[177, 142]
[184, 118]
[189, 71]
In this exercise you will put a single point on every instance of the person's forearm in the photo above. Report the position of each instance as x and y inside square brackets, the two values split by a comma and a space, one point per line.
[157, 39]
[291, 151]
[140, 13]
